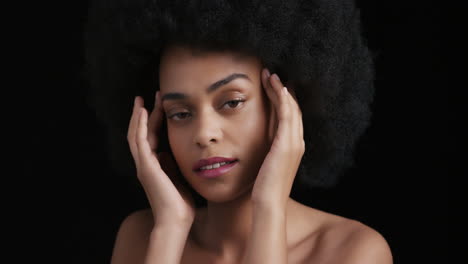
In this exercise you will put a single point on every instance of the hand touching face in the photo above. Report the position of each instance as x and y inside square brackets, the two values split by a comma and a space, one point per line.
[276, 176]
[216, 107]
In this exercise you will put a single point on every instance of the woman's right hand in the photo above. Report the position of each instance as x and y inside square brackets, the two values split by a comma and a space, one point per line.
[170, 199]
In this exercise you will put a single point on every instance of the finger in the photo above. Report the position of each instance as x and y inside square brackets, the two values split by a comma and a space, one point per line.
[296, 127]
[294, 130]
[144, 150]
[283, 104]
[268, 88]
[132, 128]
[294, 122]
[171, 169]
[283, 111]
[296, 116]
[272, 126]
[166, 163]
[299, 129]
[154, 123]
[169, 166]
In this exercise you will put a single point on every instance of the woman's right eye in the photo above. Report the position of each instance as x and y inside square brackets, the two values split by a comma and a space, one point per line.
[179, 116]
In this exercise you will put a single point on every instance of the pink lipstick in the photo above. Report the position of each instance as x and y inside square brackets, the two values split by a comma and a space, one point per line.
[214, 167]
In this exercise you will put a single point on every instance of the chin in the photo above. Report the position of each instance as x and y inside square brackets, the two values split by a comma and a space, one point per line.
[220, 193]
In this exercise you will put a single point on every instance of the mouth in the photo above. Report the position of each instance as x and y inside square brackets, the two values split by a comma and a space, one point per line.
[216, 170]
[215, 165]
[213, 162]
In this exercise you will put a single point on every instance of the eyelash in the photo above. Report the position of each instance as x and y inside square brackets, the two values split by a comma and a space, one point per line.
[237, 101]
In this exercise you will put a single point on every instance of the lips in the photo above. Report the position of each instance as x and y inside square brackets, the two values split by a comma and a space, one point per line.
[209, 161]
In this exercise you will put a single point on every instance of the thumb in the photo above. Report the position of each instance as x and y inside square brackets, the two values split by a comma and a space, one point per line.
[169, 166]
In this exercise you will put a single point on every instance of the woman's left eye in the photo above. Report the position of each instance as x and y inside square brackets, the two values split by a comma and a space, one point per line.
[234, 103]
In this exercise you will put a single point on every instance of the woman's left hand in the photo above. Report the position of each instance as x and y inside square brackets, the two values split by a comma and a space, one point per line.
[276, 175]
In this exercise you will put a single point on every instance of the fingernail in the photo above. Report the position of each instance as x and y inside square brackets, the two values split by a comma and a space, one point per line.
[157, 97]
[267, 72]
[134, 101]
[276, 77]
[285, 90]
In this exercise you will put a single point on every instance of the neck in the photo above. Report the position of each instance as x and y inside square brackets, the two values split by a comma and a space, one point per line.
[223, 228]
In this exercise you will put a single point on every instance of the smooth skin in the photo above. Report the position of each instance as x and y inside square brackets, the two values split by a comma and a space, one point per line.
[250, 217]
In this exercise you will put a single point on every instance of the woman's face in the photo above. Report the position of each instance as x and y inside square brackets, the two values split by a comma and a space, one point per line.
[207, 118]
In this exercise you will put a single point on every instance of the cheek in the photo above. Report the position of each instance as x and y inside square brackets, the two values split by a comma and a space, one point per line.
[176, 137]
[176, 143]
[252, 126]
[179, 150]
[260, 117]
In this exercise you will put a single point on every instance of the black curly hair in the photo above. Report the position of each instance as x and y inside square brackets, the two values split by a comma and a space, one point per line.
[317, 46]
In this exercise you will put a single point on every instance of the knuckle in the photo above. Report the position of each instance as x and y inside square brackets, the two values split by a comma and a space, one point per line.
[300, 148]
[285, 113]
[138, 141]
[131, 145]
[130, 137]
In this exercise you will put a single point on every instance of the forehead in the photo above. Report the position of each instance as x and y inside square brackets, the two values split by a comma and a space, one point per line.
[179, 64]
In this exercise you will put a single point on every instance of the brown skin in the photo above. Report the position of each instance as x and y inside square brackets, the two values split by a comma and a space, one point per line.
[214, 125]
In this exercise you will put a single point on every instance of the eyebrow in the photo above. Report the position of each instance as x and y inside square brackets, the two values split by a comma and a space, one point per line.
[211, 88]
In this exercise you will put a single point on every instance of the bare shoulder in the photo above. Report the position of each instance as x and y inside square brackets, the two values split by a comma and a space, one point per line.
[132, 238]
[360, 243]
[347, 241]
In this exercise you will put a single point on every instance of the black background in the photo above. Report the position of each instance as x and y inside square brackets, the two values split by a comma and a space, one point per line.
[400, 186]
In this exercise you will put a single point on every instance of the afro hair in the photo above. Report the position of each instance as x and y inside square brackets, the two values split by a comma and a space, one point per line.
[315, 45]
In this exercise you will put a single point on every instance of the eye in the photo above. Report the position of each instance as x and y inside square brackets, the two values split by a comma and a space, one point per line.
[234, 103]
[179, 116]
[183, 115]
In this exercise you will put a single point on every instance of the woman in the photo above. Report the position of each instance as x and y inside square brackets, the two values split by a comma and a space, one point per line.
[244, 95]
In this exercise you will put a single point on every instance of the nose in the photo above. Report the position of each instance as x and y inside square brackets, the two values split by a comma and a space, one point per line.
[207, 129]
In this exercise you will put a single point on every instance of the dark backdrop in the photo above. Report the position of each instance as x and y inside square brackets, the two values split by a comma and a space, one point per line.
[399, 186]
